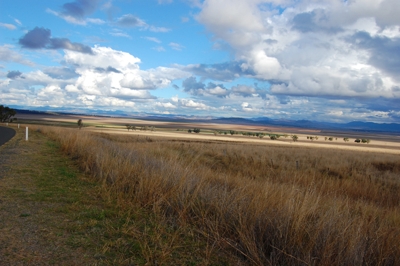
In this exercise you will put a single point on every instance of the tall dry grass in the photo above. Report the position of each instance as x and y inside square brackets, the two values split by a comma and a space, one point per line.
[332, 208]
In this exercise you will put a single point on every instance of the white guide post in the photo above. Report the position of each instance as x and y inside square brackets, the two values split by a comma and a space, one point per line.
[18, 125]
[26, 134]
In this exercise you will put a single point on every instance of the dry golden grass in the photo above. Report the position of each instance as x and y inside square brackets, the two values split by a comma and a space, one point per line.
[332, 207]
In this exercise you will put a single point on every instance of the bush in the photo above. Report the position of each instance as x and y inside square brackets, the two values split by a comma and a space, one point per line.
[80, 123]
[357, 140]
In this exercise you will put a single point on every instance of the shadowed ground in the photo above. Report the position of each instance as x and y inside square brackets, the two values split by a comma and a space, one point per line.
[6, 134]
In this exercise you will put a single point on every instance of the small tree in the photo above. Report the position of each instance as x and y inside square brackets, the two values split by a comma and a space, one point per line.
[346, 139]
[128, 127]
[189, 131]
[6, 114]
[273, 137]
[357, 140]
[295, 138]
[196, 130]
[80, 123]
[330, 139]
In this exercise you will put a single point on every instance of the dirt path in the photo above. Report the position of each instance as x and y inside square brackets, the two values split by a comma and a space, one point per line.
[32, 225]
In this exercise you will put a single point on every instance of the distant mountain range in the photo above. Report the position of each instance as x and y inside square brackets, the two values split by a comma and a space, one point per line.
[358, 126]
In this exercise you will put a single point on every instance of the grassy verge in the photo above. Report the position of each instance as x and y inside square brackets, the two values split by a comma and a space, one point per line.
[264, 205]
[51, 213]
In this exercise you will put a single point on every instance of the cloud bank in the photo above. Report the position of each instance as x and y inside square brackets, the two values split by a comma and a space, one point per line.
[320, 60]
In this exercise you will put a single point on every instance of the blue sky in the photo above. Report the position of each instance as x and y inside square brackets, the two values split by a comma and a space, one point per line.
[328, 60]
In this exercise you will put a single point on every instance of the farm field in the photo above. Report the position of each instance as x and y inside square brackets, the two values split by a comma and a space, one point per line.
[379, 143]
[258, 201]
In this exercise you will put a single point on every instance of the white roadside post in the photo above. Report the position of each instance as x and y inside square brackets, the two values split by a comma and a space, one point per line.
[18, 125]
[26, 134]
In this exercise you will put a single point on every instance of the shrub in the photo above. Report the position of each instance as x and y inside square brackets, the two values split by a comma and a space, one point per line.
[80, 123]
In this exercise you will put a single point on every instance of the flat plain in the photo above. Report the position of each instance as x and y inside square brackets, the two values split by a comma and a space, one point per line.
[381, 143]
[244, 198]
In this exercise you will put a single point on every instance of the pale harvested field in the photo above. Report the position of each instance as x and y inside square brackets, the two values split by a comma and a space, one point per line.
[379, 143]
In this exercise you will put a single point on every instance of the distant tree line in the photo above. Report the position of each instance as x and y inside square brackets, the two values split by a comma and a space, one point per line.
[195, 130]
[362, 140]
[143, 128]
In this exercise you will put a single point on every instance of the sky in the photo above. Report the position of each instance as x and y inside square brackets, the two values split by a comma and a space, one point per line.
[327, 60]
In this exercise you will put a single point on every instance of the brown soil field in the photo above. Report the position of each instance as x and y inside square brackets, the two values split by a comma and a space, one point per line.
[178, 130]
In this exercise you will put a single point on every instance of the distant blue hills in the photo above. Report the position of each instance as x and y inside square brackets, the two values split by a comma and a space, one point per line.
[307, 124]
[358, 126]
